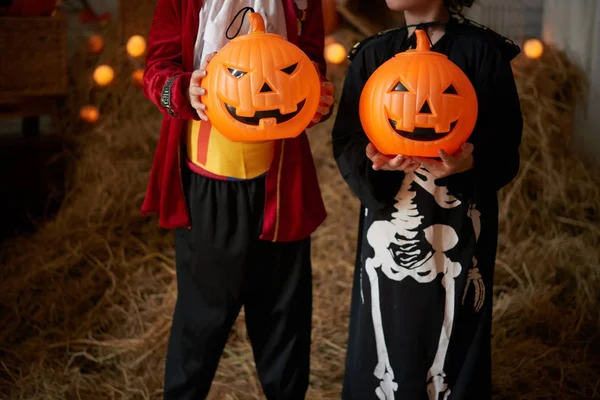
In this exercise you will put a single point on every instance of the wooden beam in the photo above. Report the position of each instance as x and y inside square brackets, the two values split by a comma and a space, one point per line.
[362, 24]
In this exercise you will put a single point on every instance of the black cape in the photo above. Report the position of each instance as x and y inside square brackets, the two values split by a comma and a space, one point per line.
[420, 324]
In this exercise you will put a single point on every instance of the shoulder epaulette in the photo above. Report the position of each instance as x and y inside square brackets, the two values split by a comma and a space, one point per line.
[508, 46]
[355, 49]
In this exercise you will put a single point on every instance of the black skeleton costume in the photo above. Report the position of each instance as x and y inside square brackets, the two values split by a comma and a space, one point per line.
[420, 323]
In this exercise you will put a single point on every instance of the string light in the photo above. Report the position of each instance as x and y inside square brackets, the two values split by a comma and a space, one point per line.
[138, 77]
[136, 46]
[103, 75]
[89, 114]
[533, 48]
[96, 44]
[335, 53]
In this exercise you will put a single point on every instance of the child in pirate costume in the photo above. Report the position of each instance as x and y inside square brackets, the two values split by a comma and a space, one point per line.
[420, 323]
[243, 213]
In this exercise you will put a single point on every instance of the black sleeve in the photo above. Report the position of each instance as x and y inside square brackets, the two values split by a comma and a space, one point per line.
[497, 134]
[375, 189]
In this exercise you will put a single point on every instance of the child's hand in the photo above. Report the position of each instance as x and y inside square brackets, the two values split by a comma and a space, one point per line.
[461, 161]
[325, 102]
[195, 91]
[385, 163]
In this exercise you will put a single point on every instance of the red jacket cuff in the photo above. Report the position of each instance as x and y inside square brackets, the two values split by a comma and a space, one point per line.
[179, 101]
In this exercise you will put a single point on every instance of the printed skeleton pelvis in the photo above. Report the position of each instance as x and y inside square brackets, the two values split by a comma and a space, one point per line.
[404, 249]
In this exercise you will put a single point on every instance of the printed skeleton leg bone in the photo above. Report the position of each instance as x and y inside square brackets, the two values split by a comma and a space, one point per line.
[443, 238]
[383, 369]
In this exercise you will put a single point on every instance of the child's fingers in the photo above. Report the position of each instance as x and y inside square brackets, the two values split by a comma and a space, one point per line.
[327, 88]
[197, 91]
[202, 115]
[197, 76]
[207, 60]
[200, 110]
[405, 164]
[465, 150]
[381, 162]
[412, 167]
[323, 110]
[468, 147]
[427, 162]
[447, 158]
[371, 151]
[327, 100]
[397, 161]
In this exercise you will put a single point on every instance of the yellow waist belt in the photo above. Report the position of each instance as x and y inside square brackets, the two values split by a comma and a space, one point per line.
[213, 152]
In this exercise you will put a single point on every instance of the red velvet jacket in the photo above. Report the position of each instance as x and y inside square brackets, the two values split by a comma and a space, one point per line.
[293, 205]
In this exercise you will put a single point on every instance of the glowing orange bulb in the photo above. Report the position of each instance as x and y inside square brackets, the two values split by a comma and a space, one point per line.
[138, 77]
[136, 46]
[103, 75]
[533, 48]
[96, 44]
[335, 53]
[89, 114]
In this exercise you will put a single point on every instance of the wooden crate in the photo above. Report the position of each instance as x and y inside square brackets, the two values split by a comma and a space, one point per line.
[33, 67]
[34, 56]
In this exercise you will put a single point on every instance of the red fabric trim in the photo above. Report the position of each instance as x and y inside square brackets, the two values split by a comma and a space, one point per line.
[203, 139]
[201, 171]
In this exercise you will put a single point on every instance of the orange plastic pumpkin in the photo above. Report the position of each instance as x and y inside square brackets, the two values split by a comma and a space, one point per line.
[260, 87]
[418, 103]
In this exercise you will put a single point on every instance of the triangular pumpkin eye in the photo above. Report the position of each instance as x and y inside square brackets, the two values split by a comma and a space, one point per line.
[289, 70]
[400, 88]
[450, 90]
[236, 72]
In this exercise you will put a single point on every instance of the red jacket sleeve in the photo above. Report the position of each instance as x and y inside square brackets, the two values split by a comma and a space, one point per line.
[312, 42]
[312, 38]
[164, 60]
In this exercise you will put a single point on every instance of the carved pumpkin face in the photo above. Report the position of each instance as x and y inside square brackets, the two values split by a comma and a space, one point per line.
[418, 103]
[260, 87]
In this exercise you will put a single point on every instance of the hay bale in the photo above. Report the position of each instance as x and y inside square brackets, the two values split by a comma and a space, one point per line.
[86, 302]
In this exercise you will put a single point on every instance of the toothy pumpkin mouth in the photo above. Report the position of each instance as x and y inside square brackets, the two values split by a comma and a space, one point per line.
[258, 115]
[422, 134]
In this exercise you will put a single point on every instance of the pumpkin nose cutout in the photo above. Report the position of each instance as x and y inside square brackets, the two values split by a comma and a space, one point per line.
[266, 88]
[425, 109]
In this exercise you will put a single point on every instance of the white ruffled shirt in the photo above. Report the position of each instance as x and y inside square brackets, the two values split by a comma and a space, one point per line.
[216, 15]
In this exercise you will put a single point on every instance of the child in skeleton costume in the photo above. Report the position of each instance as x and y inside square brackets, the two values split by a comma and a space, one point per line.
[243, 213]
[420, 323]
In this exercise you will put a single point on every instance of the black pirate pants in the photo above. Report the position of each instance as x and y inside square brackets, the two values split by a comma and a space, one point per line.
[222, 266]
